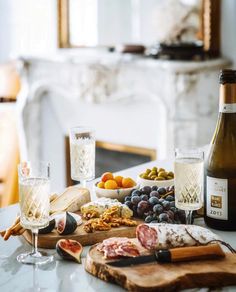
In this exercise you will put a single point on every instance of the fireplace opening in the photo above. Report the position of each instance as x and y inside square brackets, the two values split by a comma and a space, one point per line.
[113, 157]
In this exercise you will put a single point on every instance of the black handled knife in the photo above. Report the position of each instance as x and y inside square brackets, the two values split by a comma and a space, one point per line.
[212, 251]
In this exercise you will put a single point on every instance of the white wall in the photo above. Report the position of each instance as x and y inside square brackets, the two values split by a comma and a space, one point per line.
[228, 30]
[30, 27]
[27, 27]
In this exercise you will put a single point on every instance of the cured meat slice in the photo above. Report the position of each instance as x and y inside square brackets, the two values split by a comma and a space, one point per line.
[161, 235]
[116, 247]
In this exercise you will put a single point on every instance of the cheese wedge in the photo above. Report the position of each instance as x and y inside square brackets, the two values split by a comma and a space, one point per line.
[70, 200]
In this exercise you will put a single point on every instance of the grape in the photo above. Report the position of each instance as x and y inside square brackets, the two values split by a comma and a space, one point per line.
[144, 197]
[129, 204]
[148, 219]
[158, 209]
[166, 205]
[170, 214]
[135, 200]
[172, 204]
[143, 205]
[155, 194]
[146, 190]
[154, 188]
[127, 198]
[181, 216]
[147, 213]
[153, 201]
[173, 209]
[161, 200]
[170, 198]
[163, 217]
[136, 193]
[162, 191]
[134, 208]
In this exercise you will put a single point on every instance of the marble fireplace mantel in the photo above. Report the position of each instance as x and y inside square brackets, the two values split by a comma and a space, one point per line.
[129, 100]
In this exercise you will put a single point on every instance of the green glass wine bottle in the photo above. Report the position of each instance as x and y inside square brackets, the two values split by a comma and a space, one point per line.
[220, 168]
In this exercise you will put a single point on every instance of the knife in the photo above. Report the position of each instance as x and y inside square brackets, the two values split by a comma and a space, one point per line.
[181, 254]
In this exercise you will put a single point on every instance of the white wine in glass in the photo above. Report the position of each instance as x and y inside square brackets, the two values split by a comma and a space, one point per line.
[34, 189]
[189, 176]
[82, 154]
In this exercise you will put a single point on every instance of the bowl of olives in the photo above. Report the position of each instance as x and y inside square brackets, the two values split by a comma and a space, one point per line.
[156, 177]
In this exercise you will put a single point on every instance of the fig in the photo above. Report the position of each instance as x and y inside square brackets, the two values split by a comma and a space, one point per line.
[69, 249]
[49, 228]
[66, 225]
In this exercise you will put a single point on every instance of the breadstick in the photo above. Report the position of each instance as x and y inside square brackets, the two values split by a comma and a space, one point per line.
[2, 232]
[7, 234]
[16, 228]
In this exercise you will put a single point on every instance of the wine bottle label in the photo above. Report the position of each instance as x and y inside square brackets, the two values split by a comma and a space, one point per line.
[217, 198]
[227, 108]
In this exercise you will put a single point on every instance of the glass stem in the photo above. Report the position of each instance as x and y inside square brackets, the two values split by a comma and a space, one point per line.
[35, 241]
[188, 214]
[83, 183]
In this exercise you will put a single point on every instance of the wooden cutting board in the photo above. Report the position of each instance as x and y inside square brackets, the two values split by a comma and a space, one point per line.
[49, 240]
[164, 277]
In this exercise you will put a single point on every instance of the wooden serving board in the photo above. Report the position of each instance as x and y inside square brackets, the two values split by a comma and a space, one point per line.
[49, 240]
[164, 277]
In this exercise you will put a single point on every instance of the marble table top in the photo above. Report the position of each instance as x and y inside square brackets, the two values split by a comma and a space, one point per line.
[60, 275]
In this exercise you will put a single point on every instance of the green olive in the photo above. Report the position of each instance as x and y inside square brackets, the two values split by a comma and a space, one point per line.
[161, 169]
[148, 171]
[153, 177]
[170, 173]
[162, 173]
[169, 177]
[152, 173]
[154, 169]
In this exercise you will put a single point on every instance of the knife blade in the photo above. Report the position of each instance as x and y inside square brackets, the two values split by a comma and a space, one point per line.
[212, 251]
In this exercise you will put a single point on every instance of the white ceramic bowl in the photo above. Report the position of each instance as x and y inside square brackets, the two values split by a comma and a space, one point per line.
[160, 183]
[118, 194]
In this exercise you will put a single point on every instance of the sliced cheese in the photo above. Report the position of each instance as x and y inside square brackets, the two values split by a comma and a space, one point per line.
[70, 200]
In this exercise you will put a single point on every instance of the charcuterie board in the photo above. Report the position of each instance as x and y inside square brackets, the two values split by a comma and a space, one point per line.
[164, 277]
[49, 240]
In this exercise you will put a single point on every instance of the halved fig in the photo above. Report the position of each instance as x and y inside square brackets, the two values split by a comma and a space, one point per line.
[69, 249]
[48, 228]
[66, 225]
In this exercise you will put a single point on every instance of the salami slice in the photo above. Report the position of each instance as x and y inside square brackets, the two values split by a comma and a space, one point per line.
[161, 235]
[116, 247]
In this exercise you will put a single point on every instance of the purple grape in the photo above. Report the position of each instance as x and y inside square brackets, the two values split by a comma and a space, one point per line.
[127, 198]
[143, 205]
[135, 193]
[153, 201]
[172, 204]
[146, 190]
[155, 194]
[154, 188]
[144, 197]
[129, 204]
[158, 209]
[148, 219]
[135, 200]
[161, 201]
[166, 205]
[162, 191]
[170, 214]
[170, 198]
[163, 217]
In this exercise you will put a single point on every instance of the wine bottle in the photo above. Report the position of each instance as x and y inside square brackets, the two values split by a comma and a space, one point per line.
[220, 168]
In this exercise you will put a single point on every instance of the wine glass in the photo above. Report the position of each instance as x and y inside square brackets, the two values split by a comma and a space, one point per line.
[189, 176]
[34, 189]
[82, 154]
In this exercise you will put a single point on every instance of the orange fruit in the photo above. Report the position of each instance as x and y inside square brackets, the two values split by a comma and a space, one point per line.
[128, 182]
[111, 184]
[100, 185]
[118, 179]
[106, 176]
